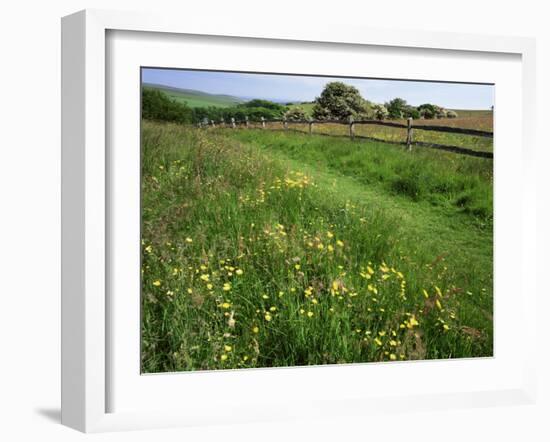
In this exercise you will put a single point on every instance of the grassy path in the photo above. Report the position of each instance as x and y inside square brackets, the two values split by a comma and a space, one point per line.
[433, 231]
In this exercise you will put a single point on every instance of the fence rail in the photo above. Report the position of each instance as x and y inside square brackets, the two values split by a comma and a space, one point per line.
[409, 142]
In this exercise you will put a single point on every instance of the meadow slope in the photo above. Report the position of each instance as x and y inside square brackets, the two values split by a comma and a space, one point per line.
[263, 249]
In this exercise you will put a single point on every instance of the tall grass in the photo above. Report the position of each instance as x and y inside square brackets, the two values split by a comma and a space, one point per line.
[255, 256]
[446, 179]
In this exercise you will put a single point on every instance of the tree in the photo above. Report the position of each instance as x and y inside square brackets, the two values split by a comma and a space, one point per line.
[295, 114]
[428, 111]
[397, 108]
[266, 104]
[156, 105]
[379, 111]
[339, 101]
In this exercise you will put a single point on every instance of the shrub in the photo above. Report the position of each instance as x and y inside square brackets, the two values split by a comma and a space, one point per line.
[440, 112]
[451, 114]
[396, 108]
[427, 110]
[411, 112]
[266, 104]
[295, 114]
[156, 105]
[339, 101]
[379, 112]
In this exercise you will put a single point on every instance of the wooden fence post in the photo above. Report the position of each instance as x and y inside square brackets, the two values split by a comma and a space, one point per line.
[233, 122]
[310, 127]
[222, 122]
[246, 121]
[213, 124]
[351, 127]
[285, 124]
[263, 123]
[409, 133]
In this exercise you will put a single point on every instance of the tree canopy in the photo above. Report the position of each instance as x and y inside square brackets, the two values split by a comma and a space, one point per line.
[339, 101]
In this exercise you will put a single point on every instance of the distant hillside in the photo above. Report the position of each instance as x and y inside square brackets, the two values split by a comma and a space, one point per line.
[195, 98]
[465, 113]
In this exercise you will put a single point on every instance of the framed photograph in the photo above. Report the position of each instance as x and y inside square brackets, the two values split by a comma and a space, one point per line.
[260, 225]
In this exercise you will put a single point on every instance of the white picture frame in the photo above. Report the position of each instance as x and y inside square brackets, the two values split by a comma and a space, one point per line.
[86, 315]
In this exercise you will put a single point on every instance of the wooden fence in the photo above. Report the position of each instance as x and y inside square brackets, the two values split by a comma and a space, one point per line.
[351, 123]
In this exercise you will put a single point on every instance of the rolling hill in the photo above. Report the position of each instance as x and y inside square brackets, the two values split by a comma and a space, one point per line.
[195, 98]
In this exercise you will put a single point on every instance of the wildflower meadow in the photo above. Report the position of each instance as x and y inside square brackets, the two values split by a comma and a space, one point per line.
[264, 248]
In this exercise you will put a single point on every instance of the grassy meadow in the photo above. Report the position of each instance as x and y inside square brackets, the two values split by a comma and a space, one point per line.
[268, 248]
[399, 135]
[193, 98]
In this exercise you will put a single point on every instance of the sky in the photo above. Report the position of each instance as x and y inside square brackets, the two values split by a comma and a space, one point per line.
[291, 88]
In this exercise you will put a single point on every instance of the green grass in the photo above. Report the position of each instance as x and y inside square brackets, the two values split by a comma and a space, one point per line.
[264, 249]
[307, 107]
[468, 113]
[196, 98]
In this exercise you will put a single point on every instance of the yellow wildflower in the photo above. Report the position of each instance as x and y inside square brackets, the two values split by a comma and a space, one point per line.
[256, 329]
[267, 317]
[188, 240]
[310, 314]
[227, 348]
[393, 357]
[157, 283]
[223, 357]
[239, 272]
[340, 243]
[227, 286]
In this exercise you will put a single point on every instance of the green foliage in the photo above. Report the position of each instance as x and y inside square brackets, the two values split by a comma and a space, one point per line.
[254, 110]
[428, 111]
[399, 108]
[339, 101]
[296, 114]
[156, 105]
[379, 112]
[411, 112]
[396, 108]
[266, 104]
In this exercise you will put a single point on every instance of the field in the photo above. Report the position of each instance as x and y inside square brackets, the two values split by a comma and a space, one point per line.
[398, 135]
[268, 248]
[196, 98]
